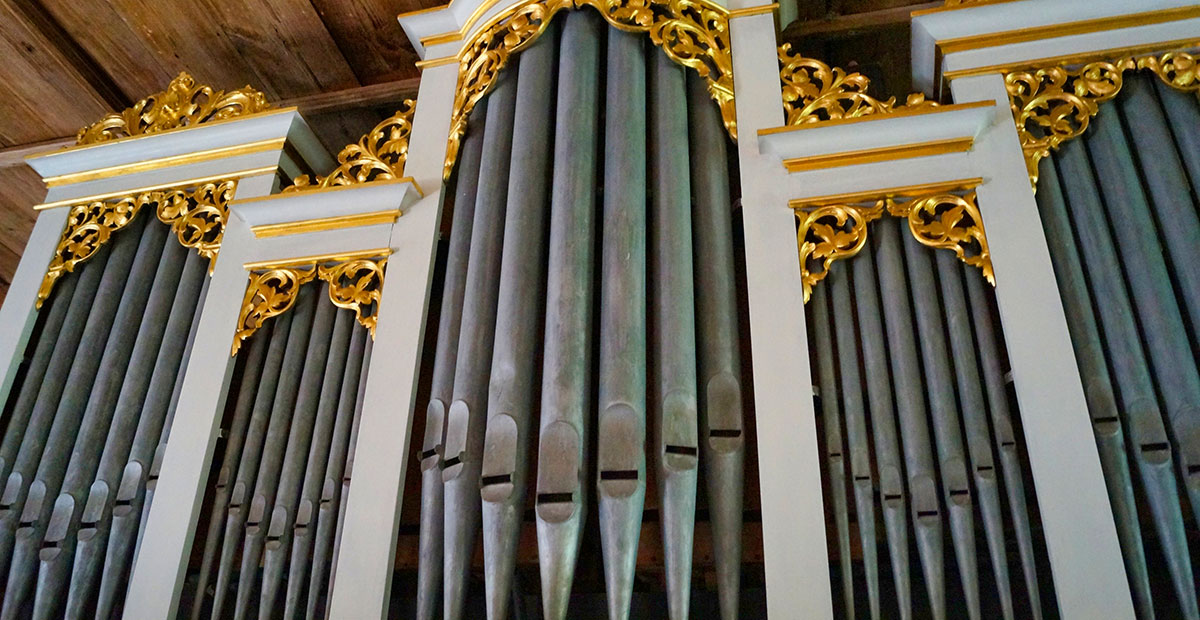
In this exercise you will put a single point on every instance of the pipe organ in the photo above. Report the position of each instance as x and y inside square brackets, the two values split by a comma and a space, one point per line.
[672, 317]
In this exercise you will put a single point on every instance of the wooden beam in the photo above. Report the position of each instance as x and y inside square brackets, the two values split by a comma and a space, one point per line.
[856, 23]
[359, 97]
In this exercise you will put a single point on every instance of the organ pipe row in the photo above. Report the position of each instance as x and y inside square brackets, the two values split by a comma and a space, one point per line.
[888, 373]
[1124, 247]
[95, 401]
[655, 324]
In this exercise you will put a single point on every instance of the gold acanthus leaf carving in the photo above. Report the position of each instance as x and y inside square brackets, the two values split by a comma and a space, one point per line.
[814, 91]
[379, 155]
[693, 33]
[828, 233]
[198, 216]
[1054, 104]
[269, 293]
[182, 104]
[89, 227]
[357, 285]
[942, 220]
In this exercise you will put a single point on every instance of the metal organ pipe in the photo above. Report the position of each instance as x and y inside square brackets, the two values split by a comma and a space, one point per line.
[429, 569]
[722, 438]
[466, 420]
[621, 426]
[348, 469]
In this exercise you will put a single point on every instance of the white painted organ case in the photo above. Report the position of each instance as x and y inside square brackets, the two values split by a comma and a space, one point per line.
[678, 274]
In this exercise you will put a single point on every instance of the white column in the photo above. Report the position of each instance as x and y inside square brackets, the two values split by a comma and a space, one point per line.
[167, 540]
[367, 554]
[793, 518]
[1077, 520]
[18, 313]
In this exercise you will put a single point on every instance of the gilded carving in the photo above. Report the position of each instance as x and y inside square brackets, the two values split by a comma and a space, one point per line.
[89, 227]
[356, 285]
[1054, 104]
[182, 104]
[197, 216]
[939, 219]
[693, 33]
[828, 233]
[269, 293]
[814, 91]
[378, 155]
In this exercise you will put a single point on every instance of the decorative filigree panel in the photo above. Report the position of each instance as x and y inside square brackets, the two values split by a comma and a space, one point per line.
[1054, 104]
[814, 91]
[378, 156]
[693, 33]
[182, 104]
[89, 227]
[355, 283]
[198, 216]
[938, 219]
[270, 293]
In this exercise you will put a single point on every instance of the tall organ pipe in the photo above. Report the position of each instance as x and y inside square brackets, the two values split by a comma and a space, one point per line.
[1183, 112]
[910, 406]
[290, 426]
[883, 425]
[722, 432]
[429, 567]
[974, 418]
[835, 446]
[1170, 195]
[466, 421]
[86, 299]
[131, 490]
[856, 427]
[335, 467]
[522, 270]
[951, 462]
[116, 422]
[88, 401]
[1130, 368]
[243, 485]
[308, 447]
[1005, 438]
[621, 430]
[248, 387]
[348, 471]
[674, 332]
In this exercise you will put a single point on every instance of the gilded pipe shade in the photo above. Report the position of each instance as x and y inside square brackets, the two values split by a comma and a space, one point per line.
[378, 156]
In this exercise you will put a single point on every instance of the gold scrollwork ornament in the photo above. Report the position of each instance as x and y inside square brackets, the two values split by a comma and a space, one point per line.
[198, 216]
[693, 33]
[948, 221]
[357, 285]
[814, 91]
[183, 103]
[379, 155]
[89, 227]
[829, 233]
[269, 293]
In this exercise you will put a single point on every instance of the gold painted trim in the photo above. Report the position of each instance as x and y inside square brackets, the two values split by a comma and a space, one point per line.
[438, 39]
[240, 174]
[166, 162]
[326, 223]
[1076, 59]
[887, 153]
[693, 33]
[890, 192]
[1087, 26]
[943, 216]
[478, 14]
[897, 113]
[126, 140]
[431, 9]
[316, 259]
[956, 6]
[754, 10]
[437, 62]
[309, 190]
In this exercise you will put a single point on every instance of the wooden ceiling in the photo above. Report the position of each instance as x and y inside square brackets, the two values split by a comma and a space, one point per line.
[346, 63]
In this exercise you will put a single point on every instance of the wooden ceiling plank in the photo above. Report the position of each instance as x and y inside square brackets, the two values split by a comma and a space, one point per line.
[370, 37]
